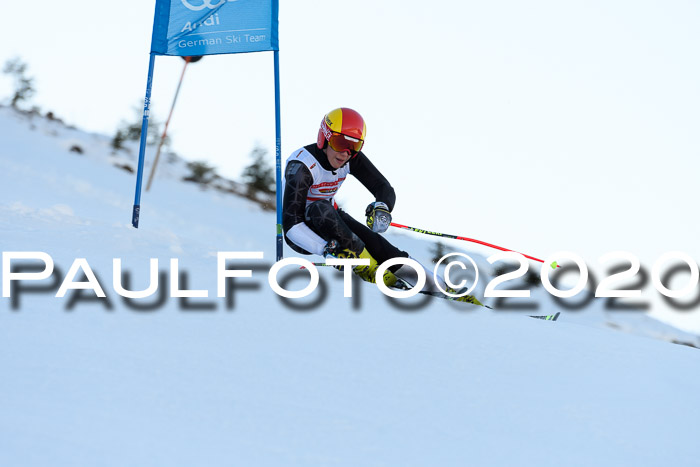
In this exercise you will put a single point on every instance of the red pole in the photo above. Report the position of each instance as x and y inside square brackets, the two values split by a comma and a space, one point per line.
[438, 234]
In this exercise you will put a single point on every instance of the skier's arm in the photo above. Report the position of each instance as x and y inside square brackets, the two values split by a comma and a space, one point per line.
[363, 169]
[296, 188]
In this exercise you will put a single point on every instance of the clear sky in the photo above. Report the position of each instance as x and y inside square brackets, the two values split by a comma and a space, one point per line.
[540, 126]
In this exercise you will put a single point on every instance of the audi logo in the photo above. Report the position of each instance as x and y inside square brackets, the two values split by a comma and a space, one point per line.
[205, 4]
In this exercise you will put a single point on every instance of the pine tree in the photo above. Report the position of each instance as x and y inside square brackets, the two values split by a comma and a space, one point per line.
[202, 172]
[131, 131]
[24, 85]
[118, 140]
[259, 176]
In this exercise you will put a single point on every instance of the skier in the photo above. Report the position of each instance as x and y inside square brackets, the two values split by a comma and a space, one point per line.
[312, 221]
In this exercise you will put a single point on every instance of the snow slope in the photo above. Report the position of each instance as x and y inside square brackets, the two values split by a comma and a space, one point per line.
[257, 381]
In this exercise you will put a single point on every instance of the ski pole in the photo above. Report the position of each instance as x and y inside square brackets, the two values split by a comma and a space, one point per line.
[456, 237]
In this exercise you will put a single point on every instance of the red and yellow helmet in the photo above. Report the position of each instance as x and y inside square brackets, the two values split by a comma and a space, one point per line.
[344, 129]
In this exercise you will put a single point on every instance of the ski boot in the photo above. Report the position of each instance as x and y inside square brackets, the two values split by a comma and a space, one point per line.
[333, 250]
[369, 273]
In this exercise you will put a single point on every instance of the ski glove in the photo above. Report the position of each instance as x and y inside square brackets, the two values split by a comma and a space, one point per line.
[378, 217]
[333, 250]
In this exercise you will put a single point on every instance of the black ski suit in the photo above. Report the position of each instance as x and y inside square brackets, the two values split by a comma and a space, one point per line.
[321, 215]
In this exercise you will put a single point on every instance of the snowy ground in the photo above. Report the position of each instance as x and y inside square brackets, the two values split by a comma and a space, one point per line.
[252, 380]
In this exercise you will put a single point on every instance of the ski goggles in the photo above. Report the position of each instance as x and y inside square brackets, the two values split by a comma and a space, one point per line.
[341, 143]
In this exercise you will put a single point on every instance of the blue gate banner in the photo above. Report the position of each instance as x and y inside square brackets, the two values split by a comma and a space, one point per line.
[206, 27]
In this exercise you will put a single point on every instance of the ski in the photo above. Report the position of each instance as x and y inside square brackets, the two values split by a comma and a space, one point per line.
[547, 317]
[401, 284]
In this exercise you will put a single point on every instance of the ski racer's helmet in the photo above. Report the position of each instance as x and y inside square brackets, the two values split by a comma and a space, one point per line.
[342, 129]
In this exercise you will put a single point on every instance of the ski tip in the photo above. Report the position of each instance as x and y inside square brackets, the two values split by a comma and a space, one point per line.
[547, 317]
